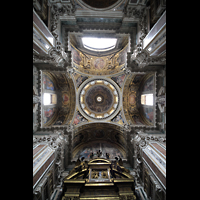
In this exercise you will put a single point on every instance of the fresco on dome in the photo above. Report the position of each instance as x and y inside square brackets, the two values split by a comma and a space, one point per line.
[47, 83]
[94, 147]
[119, 79]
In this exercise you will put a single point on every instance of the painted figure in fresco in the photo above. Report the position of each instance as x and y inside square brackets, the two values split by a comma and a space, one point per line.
[48, 114]
[78, 119]
[132, 99]
[136, 119]
[99, 63]
[137, 78]
[149, 116]
[93, 149]
[80, 79]
[88, 65]
[47, 83]
[119, 79]
[122, 58]
[65, 99]
[86, 152]
[60, 120]
[118, 118]
[76, 57]
[149, 84]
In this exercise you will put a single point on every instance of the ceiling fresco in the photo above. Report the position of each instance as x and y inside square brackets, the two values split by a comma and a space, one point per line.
[89, 137]
[136, 84]
[103, 146]
[79, 119]
[62, 112]
[79, 78]
[99, 98]
[93, 65]
[148, 86]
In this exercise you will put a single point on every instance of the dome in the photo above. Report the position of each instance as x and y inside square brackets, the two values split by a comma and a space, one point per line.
[99, 99]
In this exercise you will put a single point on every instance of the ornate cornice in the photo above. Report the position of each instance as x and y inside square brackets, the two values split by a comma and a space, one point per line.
[142, 58]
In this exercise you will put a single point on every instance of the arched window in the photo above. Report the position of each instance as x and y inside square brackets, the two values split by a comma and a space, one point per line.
[49, 98]
[147, 99]
[99, 44]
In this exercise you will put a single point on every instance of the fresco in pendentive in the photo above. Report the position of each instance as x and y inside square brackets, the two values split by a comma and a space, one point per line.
[149, 84]
[47, 83]
[76, 56]
[48, 114]
[80, 80]
[118, 119]
[79, 119]
[105, 148]
[148, 112]
[119, 79]
[122, 57]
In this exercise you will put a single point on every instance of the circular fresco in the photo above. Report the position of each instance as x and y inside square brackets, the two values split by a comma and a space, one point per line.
[99, 63]
[65, 98]
[99, 99]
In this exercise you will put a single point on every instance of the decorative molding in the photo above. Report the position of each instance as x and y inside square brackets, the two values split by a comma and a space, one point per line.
[143, 59]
